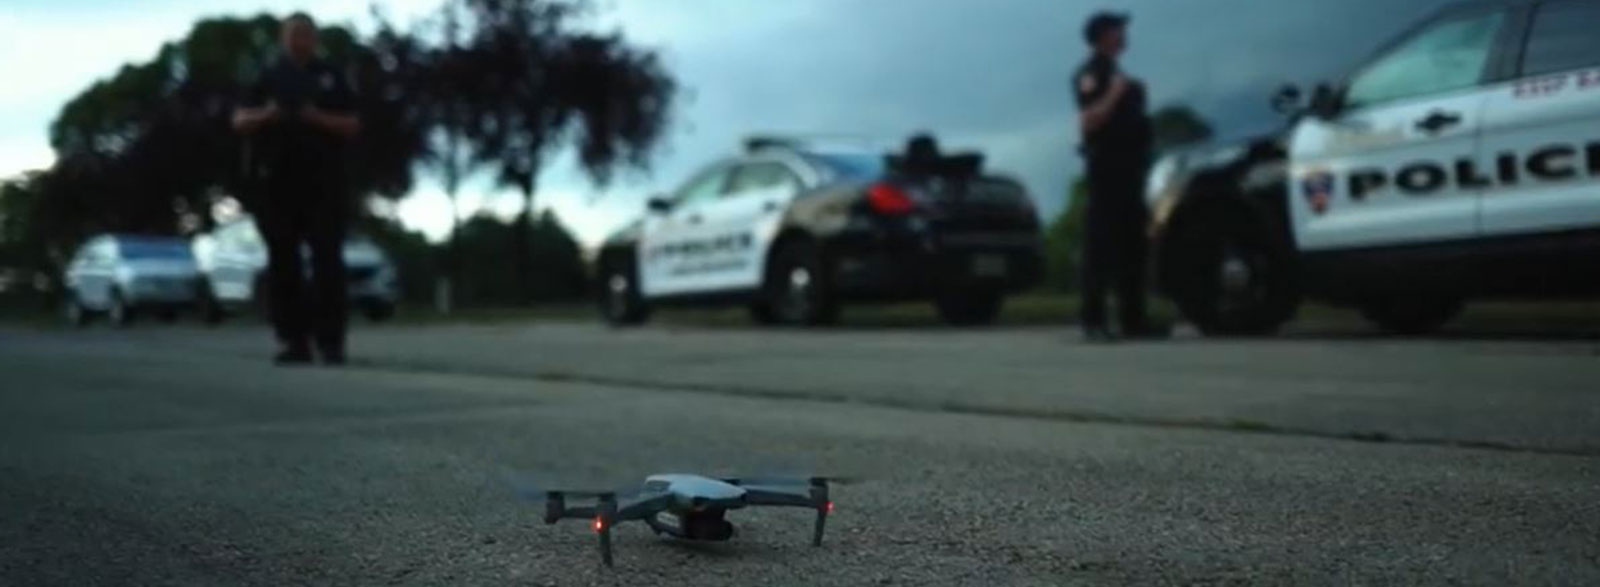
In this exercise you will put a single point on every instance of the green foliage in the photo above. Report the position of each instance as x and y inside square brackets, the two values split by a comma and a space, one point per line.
[416, 260]
[558, 272]
[149, 148]
[1177, 126]
[484, 278]
[1063, 240]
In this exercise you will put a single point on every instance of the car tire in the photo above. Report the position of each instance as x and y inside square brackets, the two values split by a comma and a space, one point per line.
[73, 312]
[798, 290]
[621, 303]
[970, 308]
[1413, 315]
[119, 312]
[378, 311]
[1230, 274]
[261, 297]
[207, 305]
[761, 313]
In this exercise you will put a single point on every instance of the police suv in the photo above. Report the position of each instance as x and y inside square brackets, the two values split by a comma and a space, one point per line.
[792, 231]
[1462, 161]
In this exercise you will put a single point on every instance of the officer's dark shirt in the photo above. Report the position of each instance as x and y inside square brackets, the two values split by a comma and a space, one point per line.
[291, 147]
[1127, 134]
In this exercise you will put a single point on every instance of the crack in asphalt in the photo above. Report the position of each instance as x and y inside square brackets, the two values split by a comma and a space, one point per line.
[1237, 426]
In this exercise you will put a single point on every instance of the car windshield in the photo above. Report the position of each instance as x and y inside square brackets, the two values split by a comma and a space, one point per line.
[851, 165]
[153, 249]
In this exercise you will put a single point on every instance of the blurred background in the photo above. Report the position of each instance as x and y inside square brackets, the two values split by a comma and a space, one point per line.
[115, 116]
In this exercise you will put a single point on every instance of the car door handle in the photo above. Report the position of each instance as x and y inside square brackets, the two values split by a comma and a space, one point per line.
[1438, 120]
[692, 219]
[769, 207]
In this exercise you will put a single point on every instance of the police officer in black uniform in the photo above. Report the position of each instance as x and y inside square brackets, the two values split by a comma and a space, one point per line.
[298, 117]
[1117, 143]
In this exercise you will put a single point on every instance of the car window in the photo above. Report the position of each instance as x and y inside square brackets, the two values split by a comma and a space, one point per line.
[851, 166]
[1450, 55]
[154, 249]
[102, 251]
[85, 255]
[762, 175]
[706, 186]
[1564, 36]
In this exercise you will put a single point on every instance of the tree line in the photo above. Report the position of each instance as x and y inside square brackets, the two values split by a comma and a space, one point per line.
[497, 86]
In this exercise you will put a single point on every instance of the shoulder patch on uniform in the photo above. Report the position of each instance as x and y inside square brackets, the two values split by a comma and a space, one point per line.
[1086, 83]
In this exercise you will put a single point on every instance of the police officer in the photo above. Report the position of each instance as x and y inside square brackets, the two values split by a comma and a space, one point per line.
[298, 117]
[1117, 143]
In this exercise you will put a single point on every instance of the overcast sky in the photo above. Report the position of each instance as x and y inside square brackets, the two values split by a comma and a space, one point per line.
[988, 74]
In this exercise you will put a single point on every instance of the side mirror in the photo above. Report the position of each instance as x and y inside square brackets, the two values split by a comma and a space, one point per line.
[1287, 100]
[1324, 102]
[659, 204]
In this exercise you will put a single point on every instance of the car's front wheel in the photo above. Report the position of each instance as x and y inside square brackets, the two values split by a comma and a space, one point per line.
[1231, 275]
[1411, 315]
[72, 310]
[119, 312]
[970, 307]
[797, 289]
[621, 303]
[378, 311]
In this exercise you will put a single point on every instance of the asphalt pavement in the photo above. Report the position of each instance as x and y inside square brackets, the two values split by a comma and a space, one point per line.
[177, 455]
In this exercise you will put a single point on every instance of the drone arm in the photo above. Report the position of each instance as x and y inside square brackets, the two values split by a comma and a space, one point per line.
[555, 509]
[644, 508]
[816, 498]
[778, 498]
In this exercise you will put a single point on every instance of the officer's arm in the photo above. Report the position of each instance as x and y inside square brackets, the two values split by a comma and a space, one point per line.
[247, 120]
[339, 114]
[343, 124]
[1096, 113]
[254, 110]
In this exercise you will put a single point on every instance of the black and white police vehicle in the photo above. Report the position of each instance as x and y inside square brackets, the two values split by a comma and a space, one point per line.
[792, 230]
[1461, 162]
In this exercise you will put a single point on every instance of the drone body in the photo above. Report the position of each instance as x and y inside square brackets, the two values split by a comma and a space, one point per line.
[689, 507]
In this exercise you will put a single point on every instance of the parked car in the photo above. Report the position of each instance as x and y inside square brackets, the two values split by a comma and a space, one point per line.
[233, 261]
[792, 230]
[1459, 163]
[123, 276]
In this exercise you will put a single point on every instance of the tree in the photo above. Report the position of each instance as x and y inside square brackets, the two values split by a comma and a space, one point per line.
[538, 84]
[483, 242]
[1063, 240]
[1178, 126]
[155, 136]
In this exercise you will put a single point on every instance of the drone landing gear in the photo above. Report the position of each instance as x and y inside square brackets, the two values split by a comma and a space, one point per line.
[819, 496]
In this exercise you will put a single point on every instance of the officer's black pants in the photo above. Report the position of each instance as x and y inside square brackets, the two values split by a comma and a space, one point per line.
[1114, 244]
[305, 215]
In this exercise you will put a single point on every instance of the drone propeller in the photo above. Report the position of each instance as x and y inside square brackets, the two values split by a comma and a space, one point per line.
[791, 480]
[526, 488]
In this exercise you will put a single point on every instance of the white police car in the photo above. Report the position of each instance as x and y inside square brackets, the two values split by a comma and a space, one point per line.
[1461, 162]
[792, 231]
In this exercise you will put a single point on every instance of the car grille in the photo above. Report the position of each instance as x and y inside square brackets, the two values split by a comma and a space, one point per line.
[990, 239]
[361, 273]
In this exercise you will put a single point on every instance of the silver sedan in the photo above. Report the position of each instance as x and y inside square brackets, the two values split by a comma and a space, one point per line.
[121, 276]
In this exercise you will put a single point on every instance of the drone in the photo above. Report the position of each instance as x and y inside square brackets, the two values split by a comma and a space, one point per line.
[687, 507]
